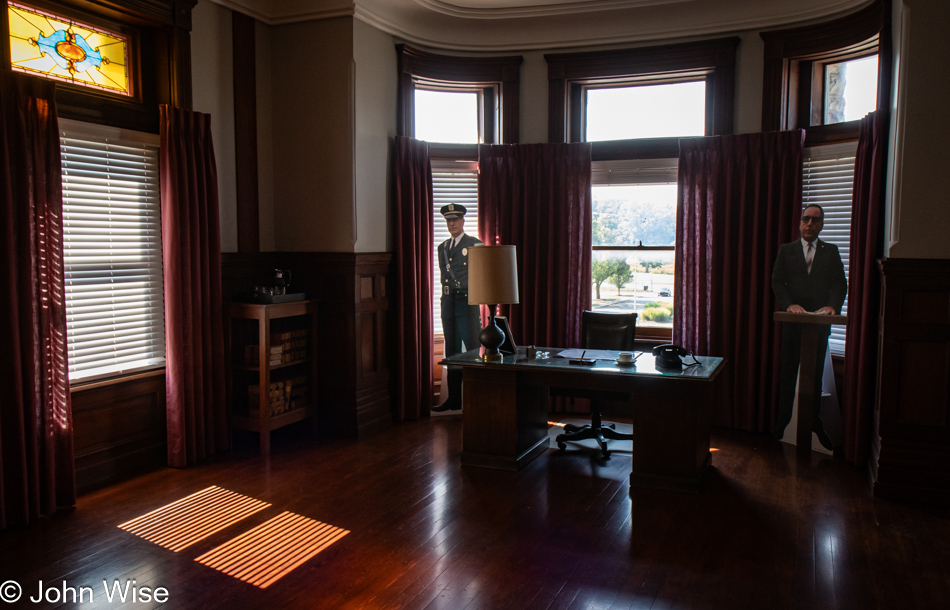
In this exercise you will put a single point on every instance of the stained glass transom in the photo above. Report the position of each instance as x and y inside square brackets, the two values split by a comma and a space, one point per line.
[64, 49]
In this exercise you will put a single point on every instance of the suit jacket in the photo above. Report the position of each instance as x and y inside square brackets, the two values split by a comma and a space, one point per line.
[826, 285]
[453, 265]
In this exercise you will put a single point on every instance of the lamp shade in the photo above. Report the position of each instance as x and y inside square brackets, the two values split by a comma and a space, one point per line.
[492, 275]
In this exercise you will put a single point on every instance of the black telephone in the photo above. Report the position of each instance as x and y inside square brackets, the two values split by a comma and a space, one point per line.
[668, 356]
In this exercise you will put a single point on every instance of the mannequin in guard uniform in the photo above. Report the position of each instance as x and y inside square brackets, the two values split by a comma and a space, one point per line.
[461, 322]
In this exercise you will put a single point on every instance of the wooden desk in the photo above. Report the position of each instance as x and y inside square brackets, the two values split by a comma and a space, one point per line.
[505, 409]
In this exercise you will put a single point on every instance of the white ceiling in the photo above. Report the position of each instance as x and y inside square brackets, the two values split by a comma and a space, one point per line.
[504, 25]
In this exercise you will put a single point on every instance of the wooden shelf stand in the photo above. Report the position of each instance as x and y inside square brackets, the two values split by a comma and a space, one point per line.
[286, 332]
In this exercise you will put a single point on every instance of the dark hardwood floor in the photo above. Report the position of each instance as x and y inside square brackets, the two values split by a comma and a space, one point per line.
[770, 530]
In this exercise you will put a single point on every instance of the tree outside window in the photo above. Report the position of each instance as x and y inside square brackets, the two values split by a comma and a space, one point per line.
[634, 231]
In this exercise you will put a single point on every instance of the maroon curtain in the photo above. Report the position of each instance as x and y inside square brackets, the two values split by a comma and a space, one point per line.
[413, 220]
[537, 197]
[36, 432]
[867, 209]
[194, 333]
[739, 200]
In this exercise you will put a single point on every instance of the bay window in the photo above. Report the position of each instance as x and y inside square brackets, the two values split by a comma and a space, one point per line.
[633, 106]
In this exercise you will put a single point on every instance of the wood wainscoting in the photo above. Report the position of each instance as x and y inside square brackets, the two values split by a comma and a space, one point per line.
[353, 308]
[118, 429]
[354, 373]
[910, 445]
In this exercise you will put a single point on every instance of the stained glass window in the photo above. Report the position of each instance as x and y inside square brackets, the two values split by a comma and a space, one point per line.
[64, 49]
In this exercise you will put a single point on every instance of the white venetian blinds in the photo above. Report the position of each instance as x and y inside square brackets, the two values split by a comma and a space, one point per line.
[113, 250]
[452, 182]
[829, 181]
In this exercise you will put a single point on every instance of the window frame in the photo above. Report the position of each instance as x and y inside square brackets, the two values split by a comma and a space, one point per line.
[626, 172]
[496, 78]
[111, 282]
[712, 60]
[569, 73]
[793, 79]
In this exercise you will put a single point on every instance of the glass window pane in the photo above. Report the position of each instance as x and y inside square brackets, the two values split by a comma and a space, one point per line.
[828, 180]
[446, 116]
[634, 281]
[850, 89]
[647, 111]
[643, 214]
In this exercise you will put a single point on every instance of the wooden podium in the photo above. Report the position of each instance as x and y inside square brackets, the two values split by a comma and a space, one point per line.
[811, 323]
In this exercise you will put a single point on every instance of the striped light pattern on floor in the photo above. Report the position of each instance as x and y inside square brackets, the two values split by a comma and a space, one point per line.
[273, 549]
[180, 524]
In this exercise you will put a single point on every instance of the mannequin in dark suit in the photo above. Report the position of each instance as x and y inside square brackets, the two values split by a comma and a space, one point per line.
[460, 321]
[798, 289]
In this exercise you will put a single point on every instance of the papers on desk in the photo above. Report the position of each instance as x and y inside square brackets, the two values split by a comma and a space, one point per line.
[589, 354]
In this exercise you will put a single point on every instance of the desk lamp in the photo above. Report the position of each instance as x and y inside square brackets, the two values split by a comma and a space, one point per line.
[492, 281]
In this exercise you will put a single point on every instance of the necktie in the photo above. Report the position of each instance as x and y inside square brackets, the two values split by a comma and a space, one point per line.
[809, 255]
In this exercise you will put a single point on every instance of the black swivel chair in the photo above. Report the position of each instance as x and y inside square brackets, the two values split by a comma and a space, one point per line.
[600, 331]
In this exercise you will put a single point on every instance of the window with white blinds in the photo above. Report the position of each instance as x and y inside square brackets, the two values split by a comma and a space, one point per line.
[452, 182]
[115, 314]
[828, 181]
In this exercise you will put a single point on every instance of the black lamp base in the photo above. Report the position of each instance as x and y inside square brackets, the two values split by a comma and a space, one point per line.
[491, 339]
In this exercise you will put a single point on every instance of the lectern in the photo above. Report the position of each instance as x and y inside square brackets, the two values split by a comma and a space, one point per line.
[811, 325]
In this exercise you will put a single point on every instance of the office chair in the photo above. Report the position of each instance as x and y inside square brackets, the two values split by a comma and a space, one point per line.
[600, 331]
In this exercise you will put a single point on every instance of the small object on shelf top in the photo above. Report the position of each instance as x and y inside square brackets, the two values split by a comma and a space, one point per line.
[266, 299]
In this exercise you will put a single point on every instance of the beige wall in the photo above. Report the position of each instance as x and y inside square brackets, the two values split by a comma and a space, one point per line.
[919, 207]
[750, 64]
[376, 85]
[533, 102]
[315, 192]
[213, 93]
[313, 127]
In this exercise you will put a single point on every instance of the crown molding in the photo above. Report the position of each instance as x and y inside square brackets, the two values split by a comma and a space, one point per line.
[265, 11]
[506, 9]
[565, 34]
[456, 26]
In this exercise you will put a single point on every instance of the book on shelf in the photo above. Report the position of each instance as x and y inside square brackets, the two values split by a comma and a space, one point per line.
[282, 396]
[252, 355]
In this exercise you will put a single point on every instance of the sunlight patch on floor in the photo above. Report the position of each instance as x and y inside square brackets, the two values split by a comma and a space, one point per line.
[273, 549]
[180, 524]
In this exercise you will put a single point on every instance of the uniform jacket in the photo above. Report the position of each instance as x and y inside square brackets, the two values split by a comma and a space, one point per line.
[453, 265]
[826, 285]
